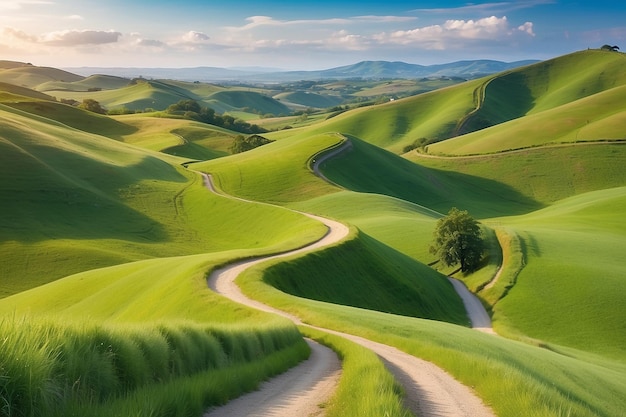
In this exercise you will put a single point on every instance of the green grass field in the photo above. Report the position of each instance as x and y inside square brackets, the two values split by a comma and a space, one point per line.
[107, 235]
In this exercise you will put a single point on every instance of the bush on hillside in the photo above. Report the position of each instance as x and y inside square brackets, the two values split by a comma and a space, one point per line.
[242, 144]
[92, 105]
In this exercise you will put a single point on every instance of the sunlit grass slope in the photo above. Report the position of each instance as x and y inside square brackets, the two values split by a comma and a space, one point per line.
[31, 76]
[516, 379]
[224, 101]
[367, 168]
[180, 137]
[140, 337]
[388, 279]
[572, 289]
[277, 172]
[104, 82]
[140, 95]
[576, 97]
[541, 174]
[308, 99]
[14, 93]
[394, 125]
[74, 201]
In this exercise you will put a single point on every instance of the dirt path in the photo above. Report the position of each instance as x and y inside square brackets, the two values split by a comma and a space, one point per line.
[475, 311]
[430, 391]
[297, 392]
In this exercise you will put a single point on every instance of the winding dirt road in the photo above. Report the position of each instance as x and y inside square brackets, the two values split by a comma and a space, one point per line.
[430, 391]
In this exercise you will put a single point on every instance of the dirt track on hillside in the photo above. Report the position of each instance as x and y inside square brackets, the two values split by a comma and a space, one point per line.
[430, 391]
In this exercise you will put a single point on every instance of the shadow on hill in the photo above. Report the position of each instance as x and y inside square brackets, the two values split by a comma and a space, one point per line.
[374, 170]
[504, 98]
[363, 272]
[194, 151]
[50, 193]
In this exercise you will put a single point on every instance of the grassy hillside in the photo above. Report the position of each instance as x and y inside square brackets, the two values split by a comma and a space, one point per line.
[368, 168]
[277, 172]
[10, 92]
[545, 383]
[75, 201]
[140, 95]
[104, 82]
[577, 97]
[224, 101]
[573, 255]
[541, 174]
[32, 76]
[307, 99]
[542, 103]
[101, 222]
[394, 125]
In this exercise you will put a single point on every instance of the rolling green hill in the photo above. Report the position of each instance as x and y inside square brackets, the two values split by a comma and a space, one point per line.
[32, 76]
[104, 82]
[573, 254]
[105, 219]
[224, 101]
[542, 103]
[307, 99]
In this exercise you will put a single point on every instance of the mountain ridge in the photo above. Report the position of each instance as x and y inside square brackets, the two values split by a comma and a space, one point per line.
[362, 69]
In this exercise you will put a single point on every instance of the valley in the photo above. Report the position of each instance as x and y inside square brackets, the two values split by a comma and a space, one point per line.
[110, 238]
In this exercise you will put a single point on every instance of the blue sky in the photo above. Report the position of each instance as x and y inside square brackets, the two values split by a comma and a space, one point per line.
[300, 34]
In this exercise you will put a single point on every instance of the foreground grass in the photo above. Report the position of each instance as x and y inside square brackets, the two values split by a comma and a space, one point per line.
[82, 368]
[515, 379]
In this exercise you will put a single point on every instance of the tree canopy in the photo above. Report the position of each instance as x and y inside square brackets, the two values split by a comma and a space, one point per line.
[191, 109]
[241, 144]
[458, 240]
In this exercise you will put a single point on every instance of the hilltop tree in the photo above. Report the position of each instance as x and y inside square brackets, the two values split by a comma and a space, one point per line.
[458, 240]
[613, 48]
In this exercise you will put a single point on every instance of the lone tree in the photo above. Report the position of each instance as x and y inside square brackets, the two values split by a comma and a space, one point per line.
[457, 239]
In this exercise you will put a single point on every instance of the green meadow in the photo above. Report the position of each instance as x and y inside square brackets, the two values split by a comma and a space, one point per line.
[108, 234]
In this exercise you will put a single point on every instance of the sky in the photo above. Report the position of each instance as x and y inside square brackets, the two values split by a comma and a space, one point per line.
[300, 34]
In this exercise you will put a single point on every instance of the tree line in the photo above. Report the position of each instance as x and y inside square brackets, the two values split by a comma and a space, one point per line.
[191, 109]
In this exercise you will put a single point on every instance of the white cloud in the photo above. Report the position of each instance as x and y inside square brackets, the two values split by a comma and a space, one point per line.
[19, 4]
[527, 27]
[18, 35]
[79, 37]
[452, 33]
[195, 37]
[74, 17]
[151, 43]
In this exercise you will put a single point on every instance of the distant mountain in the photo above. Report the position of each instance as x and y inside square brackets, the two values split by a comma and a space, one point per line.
[364, 69]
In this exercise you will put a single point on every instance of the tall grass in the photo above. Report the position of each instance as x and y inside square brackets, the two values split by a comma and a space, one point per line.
[48, 368]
